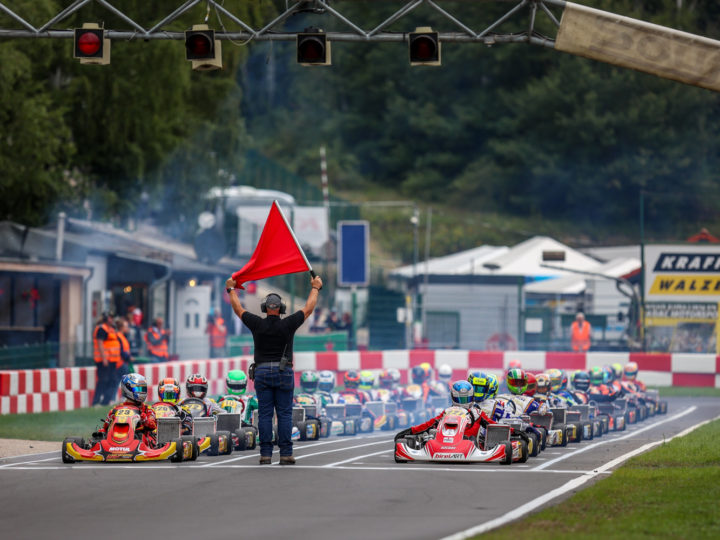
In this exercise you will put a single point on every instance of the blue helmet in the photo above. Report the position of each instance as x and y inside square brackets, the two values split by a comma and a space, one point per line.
[134, 387]
[461, 393]
[480, 384]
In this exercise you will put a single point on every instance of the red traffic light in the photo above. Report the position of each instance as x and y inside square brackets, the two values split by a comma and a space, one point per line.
[88, 43]
[313, 48]
[91, 46]
[200, 44]
[424, 48]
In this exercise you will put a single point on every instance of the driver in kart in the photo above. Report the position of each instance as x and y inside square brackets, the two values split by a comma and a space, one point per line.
[196, 386]
[461, 394]
[134, 389]
[236, 382]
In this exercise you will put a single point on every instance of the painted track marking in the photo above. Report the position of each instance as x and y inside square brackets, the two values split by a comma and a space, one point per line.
[521, 511]
[359, 457]
[614, 439]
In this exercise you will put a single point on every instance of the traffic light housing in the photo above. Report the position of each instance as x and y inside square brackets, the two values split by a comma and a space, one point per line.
[424, 47]
[313, 48]
[202, 49]
[90, 45]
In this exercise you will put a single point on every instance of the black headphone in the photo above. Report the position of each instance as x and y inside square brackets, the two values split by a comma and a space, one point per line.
[273, 302]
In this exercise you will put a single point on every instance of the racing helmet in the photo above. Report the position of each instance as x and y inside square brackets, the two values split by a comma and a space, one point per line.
[597, 376]
[531, 384]
[630, 371]
[367, 380]
[395, 374]
[608, 374]
[309, 381]
[445, 373]
[514, 364]
[617, 371]
[493, 385]
[385, 379]
[516, 381]
[555, 379]
[236, 382]
[543, 383]
[133, 387]
[480, 384]
[421, 373]
[461, 393]
[326, 380]
[196, 385]
[581, 380]
[351, 379]
[169, 390]
[564, 380]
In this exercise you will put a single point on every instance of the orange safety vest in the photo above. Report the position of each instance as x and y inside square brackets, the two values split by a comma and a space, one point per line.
[111, 344]
[580, 336]
[218, 335]
[124, 343]
[161, 350]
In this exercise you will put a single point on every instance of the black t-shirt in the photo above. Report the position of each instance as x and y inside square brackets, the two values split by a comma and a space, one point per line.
[272, 334]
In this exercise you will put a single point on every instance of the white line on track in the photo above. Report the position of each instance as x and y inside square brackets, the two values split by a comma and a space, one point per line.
[592, 446]
[9, 465]
[359, 457]
[299, 447]
[384, 441]
[521, 511]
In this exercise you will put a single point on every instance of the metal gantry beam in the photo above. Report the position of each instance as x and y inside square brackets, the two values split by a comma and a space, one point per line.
[274, 31]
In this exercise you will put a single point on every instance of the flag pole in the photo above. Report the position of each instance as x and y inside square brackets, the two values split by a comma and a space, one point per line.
[292, 233]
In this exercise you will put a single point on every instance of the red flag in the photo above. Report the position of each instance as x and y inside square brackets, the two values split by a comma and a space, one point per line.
[277, 251]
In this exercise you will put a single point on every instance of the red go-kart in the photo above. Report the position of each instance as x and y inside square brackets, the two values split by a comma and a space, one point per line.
[447, 443]
[122, 442]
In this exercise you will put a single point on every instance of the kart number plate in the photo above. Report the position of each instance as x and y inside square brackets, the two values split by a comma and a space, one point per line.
[448, 439]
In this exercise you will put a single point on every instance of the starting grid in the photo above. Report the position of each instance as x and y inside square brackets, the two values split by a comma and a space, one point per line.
[365, 456]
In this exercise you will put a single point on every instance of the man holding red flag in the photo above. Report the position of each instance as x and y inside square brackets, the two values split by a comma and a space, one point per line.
[278, 252]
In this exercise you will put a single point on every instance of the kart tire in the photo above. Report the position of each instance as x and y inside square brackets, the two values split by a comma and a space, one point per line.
[214, 448]
[253, 438]
[543, 439]
[228, 442]
[535, 444]
[324, 431]
[302, 428]
[578, 432]
[195, 449]
[507, 460]
[662, 407]
[177, 457]
[317, 428]
[67, 458]
[242, 438]
[524, 454]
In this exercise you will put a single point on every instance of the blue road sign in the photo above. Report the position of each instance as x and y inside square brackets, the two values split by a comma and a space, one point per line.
[353, 253]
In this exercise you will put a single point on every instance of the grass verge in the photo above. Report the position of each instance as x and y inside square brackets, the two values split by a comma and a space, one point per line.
[688, 391]
[670, 492]
[51, 426]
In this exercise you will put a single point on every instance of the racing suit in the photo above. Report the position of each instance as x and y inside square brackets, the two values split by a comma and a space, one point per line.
[147, 424]
[479, 419]
[602, 392]
[248, 401]
[359, 395]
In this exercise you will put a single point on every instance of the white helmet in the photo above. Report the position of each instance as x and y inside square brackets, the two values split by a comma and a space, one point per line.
[445, 373]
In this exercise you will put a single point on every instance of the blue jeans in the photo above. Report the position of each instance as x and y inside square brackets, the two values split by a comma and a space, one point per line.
[274, 389]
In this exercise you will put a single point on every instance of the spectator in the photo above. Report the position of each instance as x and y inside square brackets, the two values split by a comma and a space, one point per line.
[106, 353]
[136, 320]
[124, 336]
[157, 339]
[333, 323]
[217, 331]
[317, 325]
[580, 333]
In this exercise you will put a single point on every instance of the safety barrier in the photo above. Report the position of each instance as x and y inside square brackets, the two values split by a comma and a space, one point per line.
[69, 388]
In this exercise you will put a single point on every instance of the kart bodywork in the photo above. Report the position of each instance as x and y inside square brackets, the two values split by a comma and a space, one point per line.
[204, 427]
[447, 443]
[123, 442]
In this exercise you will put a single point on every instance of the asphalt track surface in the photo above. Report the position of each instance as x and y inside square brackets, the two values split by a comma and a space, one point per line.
[348, 488]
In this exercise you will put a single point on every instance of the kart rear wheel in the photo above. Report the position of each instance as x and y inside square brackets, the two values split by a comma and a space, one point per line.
[192, 441]
[227, 437]
[523, 451]
[507, 460]
[316, 431]
[214, 448]
[535, 444]
[177, 457]
[302, 428]
[67, 458]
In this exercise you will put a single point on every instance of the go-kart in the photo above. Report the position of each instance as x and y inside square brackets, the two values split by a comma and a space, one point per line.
[171, 421]
[339, 423]
[385, 414]
[447, 443]
[122, 442]
[204, 427]
[244, 435]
